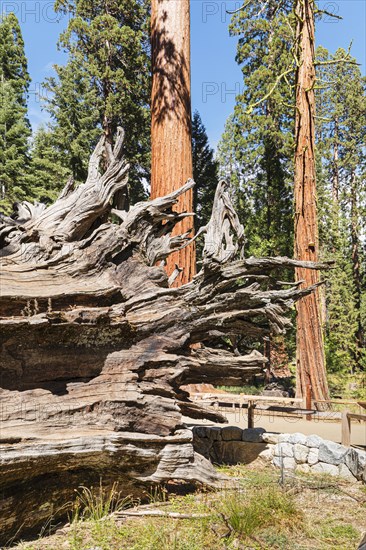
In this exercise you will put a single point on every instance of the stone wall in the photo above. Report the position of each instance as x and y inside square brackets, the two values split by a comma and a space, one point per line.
[296, 452]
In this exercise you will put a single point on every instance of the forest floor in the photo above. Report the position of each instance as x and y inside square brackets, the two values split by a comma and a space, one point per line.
[263, 512]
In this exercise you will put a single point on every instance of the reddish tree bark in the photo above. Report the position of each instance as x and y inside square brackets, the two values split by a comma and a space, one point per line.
[310, 358]
[171, 133]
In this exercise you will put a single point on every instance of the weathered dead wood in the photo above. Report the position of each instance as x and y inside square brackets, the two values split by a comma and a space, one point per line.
[96, 344]
[159, 514]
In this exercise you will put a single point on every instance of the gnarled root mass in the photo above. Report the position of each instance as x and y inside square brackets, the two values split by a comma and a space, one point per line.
[96, 344]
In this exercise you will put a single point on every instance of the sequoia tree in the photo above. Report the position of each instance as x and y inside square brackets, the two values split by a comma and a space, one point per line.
[310, 357]
[171, 129]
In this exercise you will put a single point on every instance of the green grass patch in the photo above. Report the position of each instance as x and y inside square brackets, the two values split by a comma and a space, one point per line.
[249, 515]
[336, 535]
[303, 515]
[95, 503]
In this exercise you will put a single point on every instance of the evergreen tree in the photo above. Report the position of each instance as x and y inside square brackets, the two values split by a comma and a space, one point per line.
[14, 133]
[13, 61]
[340, 142]
[71, 101]
[14, 124]
[263, 125]
[231, 169]
[205, 172]
[47, 174]
[111, 42]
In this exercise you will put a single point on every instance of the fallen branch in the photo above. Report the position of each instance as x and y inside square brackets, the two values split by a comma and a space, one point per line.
[159, 514]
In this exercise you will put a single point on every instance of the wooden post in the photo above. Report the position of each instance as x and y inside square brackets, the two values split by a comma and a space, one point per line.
[346, 429]
[308, 401]
[251, 407]
[171, 131]
[267, 354]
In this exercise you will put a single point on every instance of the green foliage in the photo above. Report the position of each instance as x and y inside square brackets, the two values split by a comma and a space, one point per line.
[246, 390]
[341, 534]
[255, 152]
[341, 135]
[14, 133]
[110, 42]
[342, 315]
[260, 515]
[71, 101]
[256, 156]
[157, 493]
[14, 124]
[13, 61]
[47, 173]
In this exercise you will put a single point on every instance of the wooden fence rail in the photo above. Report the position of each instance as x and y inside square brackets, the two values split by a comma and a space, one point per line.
[251, 401]
[347, 417]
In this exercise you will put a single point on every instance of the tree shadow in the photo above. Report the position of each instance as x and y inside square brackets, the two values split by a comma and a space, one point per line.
[171, 76]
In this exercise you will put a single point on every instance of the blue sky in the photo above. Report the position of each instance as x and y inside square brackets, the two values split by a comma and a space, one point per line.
[216, 78]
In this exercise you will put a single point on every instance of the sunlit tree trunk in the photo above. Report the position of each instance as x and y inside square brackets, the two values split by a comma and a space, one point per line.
[310, 348]
[171, 133]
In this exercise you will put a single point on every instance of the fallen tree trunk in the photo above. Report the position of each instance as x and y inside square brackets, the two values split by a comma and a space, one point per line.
[96, 343]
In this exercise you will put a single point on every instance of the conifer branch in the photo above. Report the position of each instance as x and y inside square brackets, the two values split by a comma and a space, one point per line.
[334, 61]
[325, 12]
[245, 5]
[323, 118]
[278, 80]
[346, 59]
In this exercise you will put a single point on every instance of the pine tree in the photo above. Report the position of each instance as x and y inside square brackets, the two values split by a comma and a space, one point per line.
[14, 124]
[111, 42]
[205, 172]
[263, 125]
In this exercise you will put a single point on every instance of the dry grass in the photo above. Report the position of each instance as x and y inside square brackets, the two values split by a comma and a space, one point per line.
[305, 513]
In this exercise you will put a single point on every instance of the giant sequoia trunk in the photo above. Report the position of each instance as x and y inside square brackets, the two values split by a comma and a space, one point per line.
[310, 357]
[171, 132]
[96, 343]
